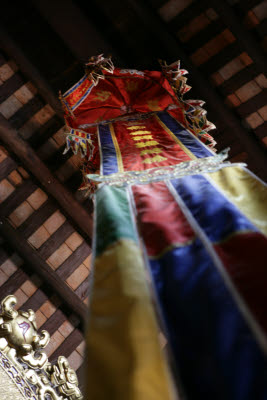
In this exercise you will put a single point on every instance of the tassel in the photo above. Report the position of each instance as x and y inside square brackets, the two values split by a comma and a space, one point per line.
[79, 141]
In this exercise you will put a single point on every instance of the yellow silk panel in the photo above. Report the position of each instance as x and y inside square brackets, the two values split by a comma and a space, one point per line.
[246, 192]
[125, 361]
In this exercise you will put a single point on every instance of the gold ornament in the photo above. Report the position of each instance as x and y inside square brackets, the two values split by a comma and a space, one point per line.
[25, 371]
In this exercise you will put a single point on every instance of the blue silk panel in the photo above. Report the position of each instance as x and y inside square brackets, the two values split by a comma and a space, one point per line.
[215, 352]
[214, 348]
[109, 164]
[187, 138]
[216, 215]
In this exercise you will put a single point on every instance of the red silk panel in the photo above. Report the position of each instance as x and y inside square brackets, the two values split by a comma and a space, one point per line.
[239, 254]
[120, 94]
[154, 144]
[162, 223]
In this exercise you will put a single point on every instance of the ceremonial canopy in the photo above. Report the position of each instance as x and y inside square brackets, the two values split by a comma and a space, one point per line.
[159, 257]
[179, 242]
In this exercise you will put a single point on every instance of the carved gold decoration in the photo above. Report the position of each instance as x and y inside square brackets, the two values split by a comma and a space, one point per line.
[64, 377]
[25, 371]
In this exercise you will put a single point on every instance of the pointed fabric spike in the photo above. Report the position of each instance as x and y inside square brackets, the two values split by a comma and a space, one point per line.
[195, 103]
[79, 141]
[95, 67]
[195, 115]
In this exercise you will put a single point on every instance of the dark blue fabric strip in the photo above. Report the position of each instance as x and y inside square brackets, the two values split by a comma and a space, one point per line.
[214, 349]
[188, 139]
[217, 216]
[109, 156]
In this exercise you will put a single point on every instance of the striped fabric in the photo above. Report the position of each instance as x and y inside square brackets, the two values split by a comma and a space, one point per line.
[184, 256]
[124, 356]
[201, 251]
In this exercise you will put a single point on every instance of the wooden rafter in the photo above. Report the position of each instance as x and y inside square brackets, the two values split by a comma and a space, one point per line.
[9, 136]
[28, 69]
[65, 21]
[39, 266]
[159, 30]
[243, 36]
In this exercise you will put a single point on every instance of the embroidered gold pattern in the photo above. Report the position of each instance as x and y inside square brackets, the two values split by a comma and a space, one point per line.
[150, 151]
[131, 86]
[153, 105]
[99, 119]
[147, 144]
[154, 159]
[139, 132]
[102, 95]
[135, 127]
[146, 137]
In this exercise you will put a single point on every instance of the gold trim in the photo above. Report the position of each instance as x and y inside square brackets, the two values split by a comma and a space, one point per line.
[233, 234]
[188, 152]
[100, 150]
[171, 247]
[117, 148]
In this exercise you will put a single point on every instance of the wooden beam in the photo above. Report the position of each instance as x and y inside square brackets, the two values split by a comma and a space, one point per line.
[18, 196]
[219, 60]
[14, 282]
[6, 167]
[78, 33]
[243, 36]
[185, 16]
[69, 345]
[10, 86]
[37, 218]
[237, 80]
[204, 35]
[253, 104]
[159, 33]
[10, 47]
[32, 162]
[39, 266]
[56, 240]
[24, 113]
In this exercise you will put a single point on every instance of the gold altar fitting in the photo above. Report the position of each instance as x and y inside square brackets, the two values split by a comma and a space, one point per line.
[25, 371]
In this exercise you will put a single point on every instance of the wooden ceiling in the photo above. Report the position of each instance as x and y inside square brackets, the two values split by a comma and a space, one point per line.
[45, 221]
